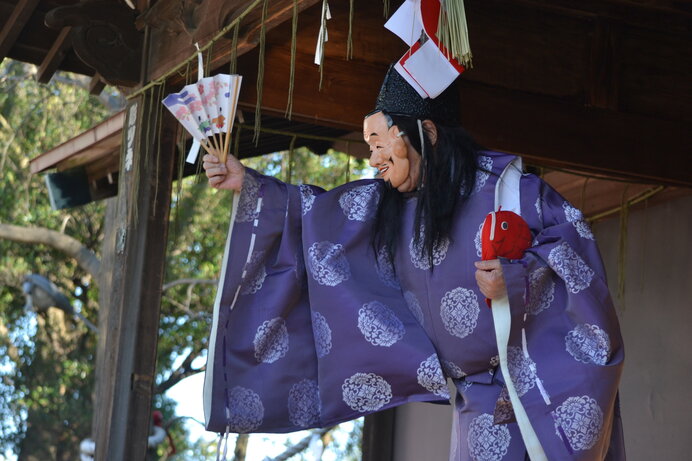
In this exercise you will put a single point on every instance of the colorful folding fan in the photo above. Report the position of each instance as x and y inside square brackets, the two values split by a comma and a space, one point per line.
[207, 109]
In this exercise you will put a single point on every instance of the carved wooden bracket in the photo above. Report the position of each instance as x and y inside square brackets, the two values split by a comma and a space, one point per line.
[195, 18]
[104, 37]
[173, 16]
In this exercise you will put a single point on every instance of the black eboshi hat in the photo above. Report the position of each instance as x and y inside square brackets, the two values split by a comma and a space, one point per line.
[397, 97]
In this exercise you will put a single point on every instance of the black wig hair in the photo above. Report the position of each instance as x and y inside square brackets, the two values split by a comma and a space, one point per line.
[447, 176]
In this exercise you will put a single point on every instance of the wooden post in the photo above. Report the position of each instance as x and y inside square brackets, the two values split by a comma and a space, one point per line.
[134, 251]
[378, 436]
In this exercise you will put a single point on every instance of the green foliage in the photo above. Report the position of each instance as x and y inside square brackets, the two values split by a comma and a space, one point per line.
[46, 370]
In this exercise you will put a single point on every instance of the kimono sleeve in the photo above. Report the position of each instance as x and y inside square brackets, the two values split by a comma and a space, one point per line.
[261, 366]
[305, 334]
[565, 351]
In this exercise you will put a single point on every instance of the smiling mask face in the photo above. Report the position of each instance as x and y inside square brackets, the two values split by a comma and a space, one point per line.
[391, 153]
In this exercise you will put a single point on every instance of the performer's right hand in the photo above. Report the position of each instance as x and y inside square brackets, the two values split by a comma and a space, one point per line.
[229, 176]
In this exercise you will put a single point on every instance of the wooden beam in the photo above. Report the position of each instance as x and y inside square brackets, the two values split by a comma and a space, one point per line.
[580, 57]
[108, 343]
[660, 15]
[509, 103]
[546, 130]
[128, 355]
[81, 143]
[55, 56]
[554, 133]
[96, 84]
[14, 25]
[378, 436]
[143, 288]
[603, 73]
[173, 36]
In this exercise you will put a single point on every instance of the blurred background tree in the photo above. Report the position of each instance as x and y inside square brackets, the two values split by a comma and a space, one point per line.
[47, 358]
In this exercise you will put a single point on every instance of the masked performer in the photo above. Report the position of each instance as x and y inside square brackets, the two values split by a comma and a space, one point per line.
[336, 304]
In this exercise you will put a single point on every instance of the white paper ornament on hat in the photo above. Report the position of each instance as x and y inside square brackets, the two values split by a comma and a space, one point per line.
[439, 47]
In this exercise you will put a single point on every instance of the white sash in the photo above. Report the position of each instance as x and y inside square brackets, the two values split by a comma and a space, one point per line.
[507, 195]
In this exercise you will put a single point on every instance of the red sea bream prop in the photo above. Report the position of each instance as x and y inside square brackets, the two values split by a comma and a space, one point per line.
[207, 109]
[505, 234]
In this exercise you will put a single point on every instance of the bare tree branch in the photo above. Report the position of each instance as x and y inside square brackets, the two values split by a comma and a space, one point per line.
[174, 283]
[178, 304]
[68, 245]
[183, 371]
[240, 450]
[302, 445]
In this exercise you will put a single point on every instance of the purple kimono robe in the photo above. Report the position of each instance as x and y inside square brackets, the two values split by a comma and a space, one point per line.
[312, 328]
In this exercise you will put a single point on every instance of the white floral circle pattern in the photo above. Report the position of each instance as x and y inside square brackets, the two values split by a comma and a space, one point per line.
[504, 412]
[271, 340]
[360, 203]
[366, 392]
[484, 163]
[478, 242]
[422, 261]
[379, 325]
[247, 204]
[581, 420]
[322, 334]
[573, 270]
[487, 441]
[430, 376]
[245, 410]
[452, 370]
[588, 344]
[385, 269]
[307, 198]
[576, 217]
[304, 403]
[522, 370]
[414, 306]
[328, 263]
[539, 207]
[459, 312]
[255, 274]
[541, 293]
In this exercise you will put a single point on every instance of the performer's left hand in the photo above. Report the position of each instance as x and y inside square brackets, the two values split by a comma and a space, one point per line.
[490, 279]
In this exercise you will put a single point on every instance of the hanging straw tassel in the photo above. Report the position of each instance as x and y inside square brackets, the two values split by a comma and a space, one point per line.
[582, 206]
[348, 161]
[289, 169]
[236, 145]
[452, 31]
[622, 246]
[292, 76]
[322, 40]
[234, 49]
[159, 135]
[349, 41]
[260, 74]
